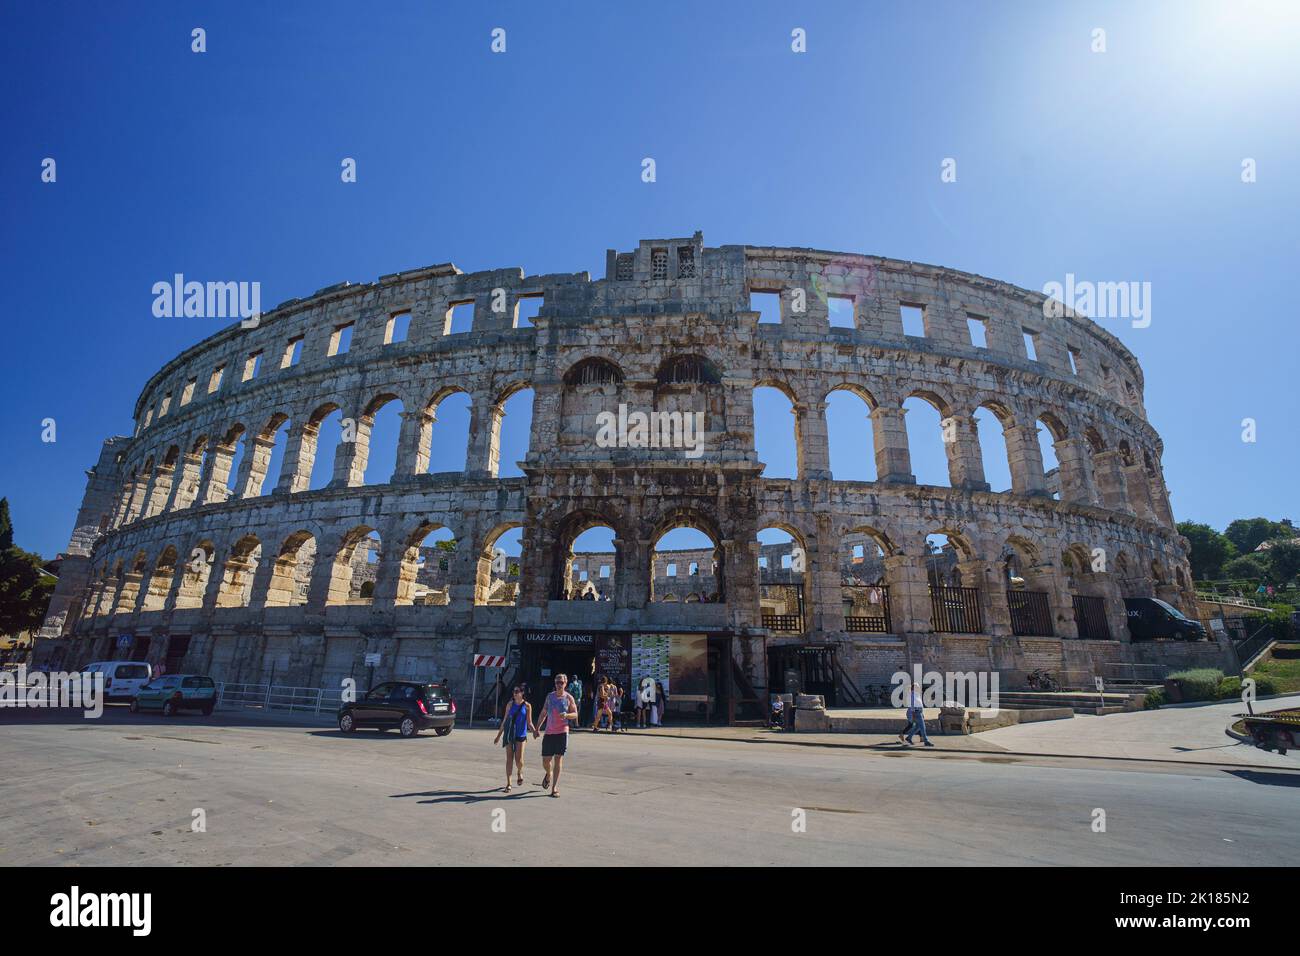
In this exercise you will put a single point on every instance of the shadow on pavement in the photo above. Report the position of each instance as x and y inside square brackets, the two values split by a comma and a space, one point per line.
[470, 796]
[1276, 779]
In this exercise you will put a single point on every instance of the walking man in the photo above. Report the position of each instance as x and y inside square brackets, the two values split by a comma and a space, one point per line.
[558, 710]
[915, 718]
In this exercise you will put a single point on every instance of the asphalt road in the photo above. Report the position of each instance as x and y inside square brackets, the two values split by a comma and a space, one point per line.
[122, 790]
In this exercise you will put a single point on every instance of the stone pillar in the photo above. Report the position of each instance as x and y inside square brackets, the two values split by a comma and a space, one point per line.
[299, 457]
[893, 459]
[813, 441]
[138, 492]
[1109, 474]
[825, 605]
[414, 444]
[1139, 491]
[909, 594]
[965, 462]
[262, 580]
[185, 488]
[1026, 459]
[634, 566]
[350, 457]
[1077, 485]
[484, 429]
[1107, 585]
[213, 486]
[1046, 576]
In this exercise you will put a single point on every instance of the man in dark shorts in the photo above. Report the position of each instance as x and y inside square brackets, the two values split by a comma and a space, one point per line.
[557, 710]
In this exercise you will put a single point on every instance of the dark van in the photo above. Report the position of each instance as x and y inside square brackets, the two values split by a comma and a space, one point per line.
[1150, 619]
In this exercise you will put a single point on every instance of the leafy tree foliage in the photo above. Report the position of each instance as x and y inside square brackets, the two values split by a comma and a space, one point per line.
[25, 588]
[1210, 549]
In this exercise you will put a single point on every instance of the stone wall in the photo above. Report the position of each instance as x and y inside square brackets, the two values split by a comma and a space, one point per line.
[669, 331]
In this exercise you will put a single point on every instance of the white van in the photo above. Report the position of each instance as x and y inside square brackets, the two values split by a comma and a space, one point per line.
[121, 678]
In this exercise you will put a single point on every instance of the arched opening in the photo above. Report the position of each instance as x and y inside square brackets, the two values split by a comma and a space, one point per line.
[129, 592]
[955, 606]
[776, 432]
[688, 397]
[355, 568]
[291, 576]
[426, 572]
[782, 568]
[378, 431]
[587, 562]
[1028, 590]
[991, 424]
[592, 386]
[512, 425]
[850, 434]
[160, 582]
[322, 438]
[924, 423]
[1050, 431]
[194, 582]
[496, 581]
[237, 575]
[161, 486]
[862, 581]
[447, 431]
[684, 560]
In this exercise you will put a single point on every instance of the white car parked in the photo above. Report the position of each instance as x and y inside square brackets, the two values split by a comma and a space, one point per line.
[122, 679]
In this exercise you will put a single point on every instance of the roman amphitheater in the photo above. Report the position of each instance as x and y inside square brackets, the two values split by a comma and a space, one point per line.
[186, 552]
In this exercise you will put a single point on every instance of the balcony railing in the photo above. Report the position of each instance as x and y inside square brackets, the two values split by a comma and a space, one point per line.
[866, 609]
[955, 610]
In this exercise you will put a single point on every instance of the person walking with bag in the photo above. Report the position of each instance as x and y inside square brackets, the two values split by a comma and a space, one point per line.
[516, 725]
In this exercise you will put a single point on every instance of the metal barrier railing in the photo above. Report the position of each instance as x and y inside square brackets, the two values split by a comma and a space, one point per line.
[303, 700]
[1120, 672]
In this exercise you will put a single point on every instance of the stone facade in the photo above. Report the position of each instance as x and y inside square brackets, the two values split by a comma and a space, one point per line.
[262, 579]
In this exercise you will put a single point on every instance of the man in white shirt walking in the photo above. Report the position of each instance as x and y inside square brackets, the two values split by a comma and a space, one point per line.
[915, 718]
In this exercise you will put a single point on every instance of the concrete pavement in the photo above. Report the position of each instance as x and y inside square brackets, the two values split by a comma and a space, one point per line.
[274, 791]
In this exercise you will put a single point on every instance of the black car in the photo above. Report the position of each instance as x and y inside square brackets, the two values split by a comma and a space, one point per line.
[410, 706]
[1150, 619]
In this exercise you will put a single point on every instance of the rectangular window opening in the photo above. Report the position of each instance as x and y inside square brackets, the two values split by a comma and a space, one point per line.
[214, 382]
[686, 262]
[167, 403]
[1075, 356]
[292, 352]
[1031, 345]
[252, 365]
[839, 309]
[526, 310]
[604, 570]
[460, 317]
[979, 331]
[397, 328]
[658, 263]
[188, 394]
[341, 340]
[768, 306]
[913, 317]
[672, 570]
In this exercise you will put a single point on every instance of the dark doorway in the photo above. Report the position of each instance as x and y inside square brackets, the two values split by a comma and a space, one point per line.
[539, 663]
[720, 682]
[813, 667]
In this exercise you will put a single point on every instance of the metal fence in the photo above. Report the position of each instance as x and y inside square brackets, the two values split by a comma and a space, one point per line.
[955, 610]
[302, 700]
[1030, 614]
[1090, 617]
[877, 603]
[1116, 672]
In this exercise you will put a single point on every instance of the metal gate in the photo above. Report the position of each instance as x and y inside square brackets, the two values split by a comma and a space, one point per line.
[1030, 614]
[815, 665]
[1090, 618]
[955, 610]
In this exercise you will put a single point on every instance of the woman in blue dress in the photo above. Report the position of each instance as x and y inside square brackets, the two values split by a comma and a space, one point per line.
[516, 725]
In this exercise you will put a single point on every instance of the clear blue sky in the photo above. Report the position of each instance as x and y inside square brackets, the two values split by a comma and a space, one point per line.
[1123, 165]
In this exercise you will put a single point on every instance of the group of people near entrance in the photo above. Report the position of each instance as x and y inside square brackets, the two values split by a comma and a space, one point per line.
[559, 709]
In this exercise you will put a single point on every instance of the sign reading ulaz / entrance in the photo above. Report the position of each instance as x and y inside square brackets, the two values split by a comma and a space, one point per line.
[678, 661]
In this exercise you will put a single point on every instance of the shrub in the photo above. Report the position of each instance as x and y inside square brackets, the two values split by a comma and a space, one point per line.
[1154, 699]
[1264, 684]
[1201, 683]
[1229, 687]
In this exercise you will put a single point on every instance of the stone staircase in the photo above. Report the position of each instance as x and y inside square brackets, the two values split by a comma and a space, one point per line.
[1081, 702]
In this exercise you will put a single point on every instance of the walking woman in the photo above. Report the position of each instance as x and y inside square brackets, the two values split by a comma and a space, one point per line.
[559, 709]
[516, 725]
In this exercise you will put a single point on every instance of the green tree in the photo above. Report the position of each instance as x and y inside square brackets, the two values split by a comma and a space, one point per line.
[1247, 534]
[1283, 560]
[1250, 567]
[1210, 549]
[25, 588]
